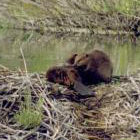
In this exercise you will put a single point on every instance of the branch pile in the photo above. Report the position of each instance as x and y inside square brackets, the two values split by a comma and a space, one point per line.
[113, 114]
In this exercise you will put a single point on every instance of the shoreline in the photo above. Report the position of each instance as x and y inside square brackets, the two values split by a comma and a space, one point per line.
[93, 17]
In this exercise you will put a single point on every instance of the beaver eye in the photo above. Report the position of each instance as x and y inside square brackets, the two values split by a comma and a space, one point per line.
[86, 55]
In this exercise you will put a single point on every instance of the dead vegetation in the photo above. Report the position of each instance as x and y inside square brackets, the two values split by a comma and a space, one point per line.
[86, 16]
[113, 114]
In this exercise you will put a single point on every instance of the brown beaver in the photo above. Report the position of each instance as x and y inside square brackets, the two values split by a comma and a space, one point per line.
[93, 67]
[68, 75]
[71, 60]
[65, 75]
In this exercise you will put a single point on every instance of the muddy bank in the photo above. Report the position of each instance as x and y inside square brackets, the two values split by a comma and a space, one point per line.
[113, 114]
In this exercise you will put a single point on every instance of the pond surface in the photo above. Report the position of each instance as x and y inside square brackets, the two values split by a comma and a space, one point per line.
[43, 51]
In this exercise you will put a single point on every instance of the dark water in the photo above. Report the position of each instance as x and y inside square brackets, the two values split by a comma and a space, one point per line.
[43, 51]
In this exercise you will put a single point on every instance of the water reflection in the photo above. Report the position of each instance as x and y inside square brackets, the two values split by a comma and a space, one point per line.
[43, 51]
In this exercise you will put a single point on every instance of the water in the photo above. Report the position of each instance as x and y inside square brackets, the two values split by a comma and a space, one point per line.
[43, 51]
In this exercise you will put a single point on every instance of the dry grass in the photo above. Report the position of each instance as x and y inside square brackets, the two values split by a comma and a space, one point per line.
[113, 114]
[71, 15]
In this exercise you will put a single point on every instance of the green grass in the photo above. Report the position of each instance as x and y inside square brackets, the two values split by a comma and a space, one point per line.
[116, 6]
[30, 115]
[22, 10]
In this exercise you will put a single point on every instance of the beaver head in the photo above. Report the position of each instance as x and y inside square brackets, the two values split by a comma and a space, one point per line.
[55, 75]
[65, 75]
[71, 60]
[81, 61]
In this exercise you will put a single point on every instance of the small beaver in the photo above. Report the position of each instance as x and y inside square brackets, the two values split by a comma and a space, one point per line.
[93, 67]
[68, 75]
[65, 75]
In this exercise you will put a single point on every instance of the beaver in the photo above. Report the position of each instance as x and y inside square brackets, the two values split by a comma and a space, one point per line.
[71, 60]
[65, 75]
[93, 67]
[69, 76]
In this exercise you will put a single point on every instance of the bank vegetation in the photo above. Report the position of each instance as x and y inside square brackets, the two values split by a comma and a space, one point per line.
[98, 16]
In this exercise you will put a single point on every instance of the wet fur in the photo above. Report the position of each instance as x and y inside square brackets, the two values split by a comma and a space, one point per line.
[65, 75]
[71, 60]
[93, 67]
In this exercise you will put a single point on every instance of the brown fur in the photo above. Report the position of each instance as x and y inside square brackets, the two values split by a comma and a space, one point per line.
[71, 60]
[65, 75]
[93, 67]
